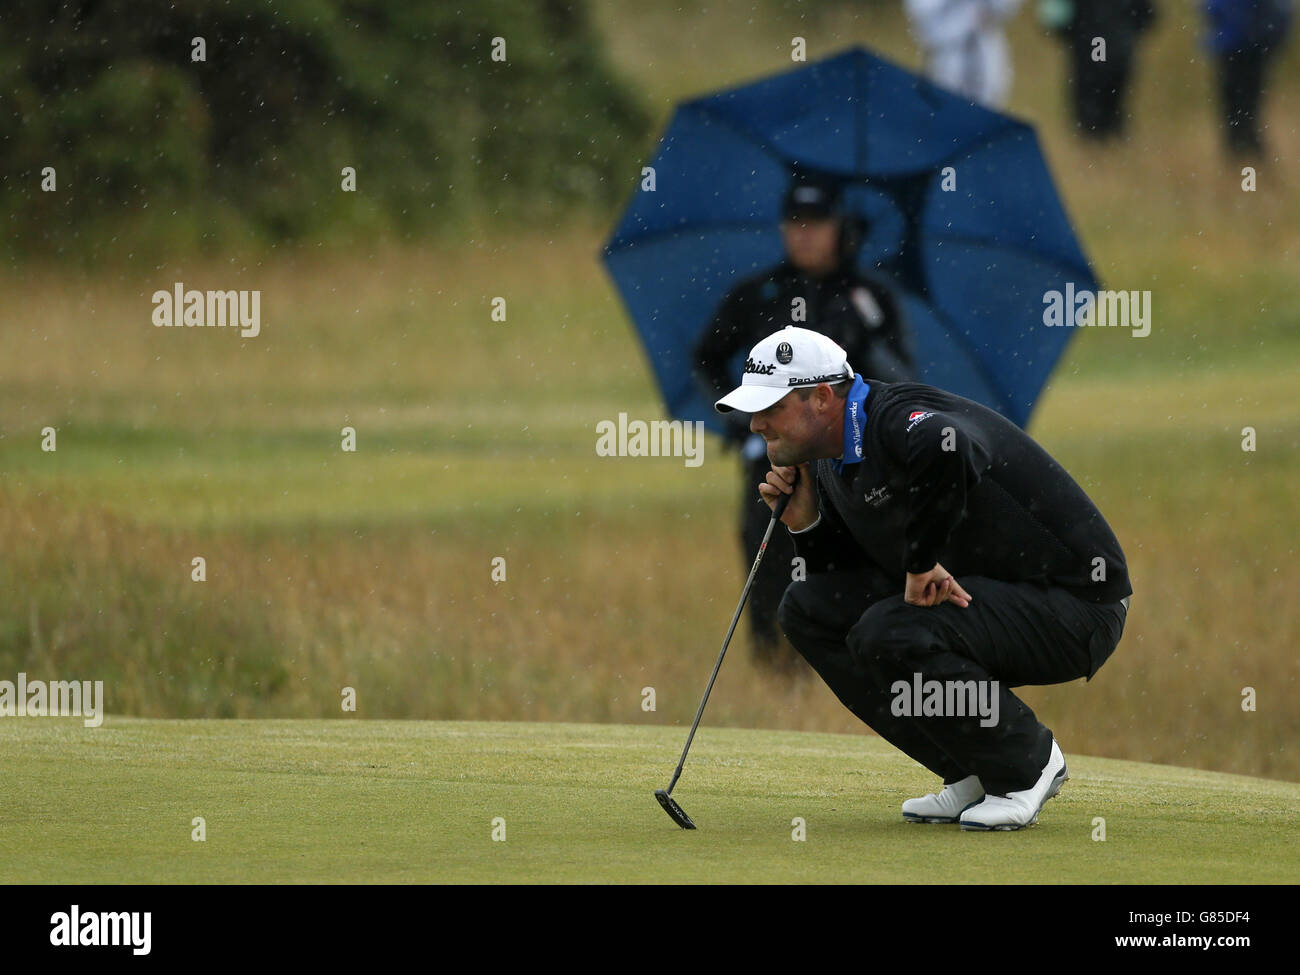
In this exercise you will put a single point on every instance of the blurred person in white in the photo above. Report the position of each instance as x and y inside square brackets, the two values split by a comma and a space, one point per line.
[965, 45]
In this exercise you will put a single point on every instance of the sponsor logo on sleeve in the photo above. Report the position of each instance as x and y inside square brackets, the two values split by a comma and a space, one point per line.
[917, 416]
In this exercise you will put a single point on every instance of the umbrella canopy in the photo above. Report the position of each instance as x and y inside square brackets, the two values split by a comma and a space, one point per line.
[963, 219]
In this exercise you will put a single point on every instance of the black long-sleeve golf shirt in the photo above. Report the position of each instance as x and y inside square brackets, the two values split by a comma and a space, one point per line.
[944, 479]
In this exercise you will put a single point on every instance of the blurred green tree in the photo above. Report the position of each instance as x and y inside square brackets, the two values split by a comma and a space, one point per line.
[250, 142]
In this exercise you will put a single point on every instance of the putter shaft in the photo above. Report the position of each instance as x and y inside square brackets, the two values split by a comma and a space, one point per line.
[777, 511]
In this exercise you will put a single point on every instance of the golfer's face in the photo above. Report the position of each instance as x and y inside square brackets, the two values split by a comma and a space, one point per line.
[784, 426]
[811, 242]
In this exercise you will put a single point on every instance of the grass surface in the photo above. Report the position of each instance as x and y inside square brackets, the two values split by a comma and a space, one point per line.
[350, 801]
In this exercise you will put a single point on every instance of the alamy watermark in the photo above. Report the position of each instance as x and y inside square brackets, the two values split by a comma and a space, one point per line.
[652, 438]
[53, 699]
[1116, 309]
[125, 929]
[210, 309]
[946, 699]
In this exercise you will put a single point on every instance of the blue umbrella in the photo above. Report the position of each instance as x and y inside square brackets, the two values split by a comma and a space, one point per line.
[971, 263]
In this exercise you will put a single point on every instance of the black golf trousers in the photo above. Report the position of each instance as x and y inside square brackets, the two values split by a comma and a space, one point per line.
[856, 631]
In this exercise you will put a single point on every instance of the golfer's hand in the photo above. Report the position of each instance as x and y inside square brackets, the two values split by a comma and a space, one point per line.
[802, 509]
[934, 587]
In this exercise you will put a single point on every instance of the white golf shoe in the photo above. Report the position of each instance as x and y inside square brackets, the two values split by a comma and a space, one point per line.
[947, 805]
[1016, 810]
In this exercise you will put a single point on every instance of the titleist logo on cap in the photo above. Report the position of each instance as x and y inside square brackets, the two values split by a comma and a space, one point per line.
[761, 368]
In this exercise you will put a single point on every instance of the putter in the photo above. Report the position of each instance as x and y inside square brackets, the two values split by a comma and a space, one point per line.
[665, 797]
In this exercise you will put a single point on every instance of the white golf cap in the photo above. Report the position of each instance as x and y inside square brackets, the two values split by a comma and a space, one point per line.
[785, 360]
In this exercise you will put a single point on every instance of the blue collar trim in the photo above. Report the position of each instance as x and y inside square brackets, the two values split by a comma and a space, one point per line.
[855, 417]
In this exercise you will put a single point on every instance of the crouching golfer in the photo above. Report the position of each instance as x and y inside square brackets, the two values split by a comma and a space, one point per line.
[948, 559]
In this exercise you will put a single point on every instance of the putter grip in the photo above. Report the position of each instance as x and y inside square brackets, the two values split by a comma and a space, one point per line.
[784, 499]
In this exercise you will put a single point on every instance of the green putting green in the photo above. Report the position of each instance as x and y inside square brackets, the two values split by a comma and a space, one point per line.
[355, 801]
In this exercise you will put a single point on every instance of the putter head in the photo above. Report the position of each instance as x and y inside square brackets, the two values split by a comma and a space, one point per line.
[675, 811]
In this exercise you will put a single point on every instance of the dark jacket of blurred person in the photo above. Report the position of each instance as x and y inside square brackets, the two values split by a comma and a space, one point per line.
[1244, 35]
[1097, 88]
[859, 311]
